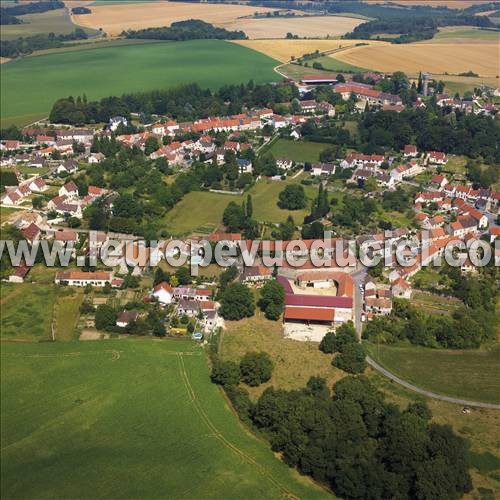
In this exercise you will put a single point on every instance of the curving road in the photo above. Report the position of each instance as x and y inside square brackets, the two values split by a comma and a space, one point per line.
[428, 394]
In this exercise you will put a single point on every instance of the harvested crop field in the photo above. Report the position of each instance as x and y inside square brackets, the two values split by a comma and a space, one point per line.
[113, 19]
[432, 57]
[283, 50]
[310, 26]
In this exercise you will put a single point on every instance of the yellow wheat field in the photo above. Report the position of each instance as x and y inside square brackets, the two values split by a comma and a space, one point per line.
[310, 26]
[283, 50]
[482, 59]
[114, 19]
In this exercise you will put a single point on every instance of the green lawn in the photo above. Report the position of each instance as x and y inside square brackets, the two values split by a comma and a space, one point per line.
[201, 212]
[26, 311]
[332, 64]
[99, 72]
[128, 419]
[57, 21]
[299, 151]
[467, 374]
[67, 312]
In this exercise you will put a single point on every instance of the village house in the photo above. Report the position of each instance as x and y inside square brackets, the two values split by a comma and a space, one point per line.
[255, 274]
[439, 181]
[83, 278]
[38, 185]
[436, 158]
[31, 233]
[284, 163]
[354, 160]
[69, 190]
[126, 317]
[163, 293]
[322, 169]
[410, 150]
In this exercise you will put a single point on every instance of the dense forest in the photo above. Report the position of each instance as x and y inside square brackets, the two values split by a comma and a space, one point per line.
[192, 29]
[358, 444]
[23, 46]
[7, 14]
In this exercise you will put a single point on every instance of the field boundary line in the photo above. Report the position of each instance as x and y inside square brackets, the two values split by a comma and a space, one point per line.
[424, 392]
[219, 436]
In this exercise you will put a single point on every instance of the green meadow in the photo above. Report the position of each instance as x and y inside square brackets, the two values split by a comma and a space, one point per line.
[26, 311]
[30, 86]
[128, 419]
[298, 151]
[469, 374]
[201, 212]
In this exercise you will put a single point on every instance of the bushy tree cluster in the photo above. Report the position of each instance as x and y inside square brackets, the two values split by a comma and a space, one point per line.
[237, 302]
[465, 328]
[192, 29]
[272, 300]
[293, 197]
[254, 369]
[361, 446]
[351, 355]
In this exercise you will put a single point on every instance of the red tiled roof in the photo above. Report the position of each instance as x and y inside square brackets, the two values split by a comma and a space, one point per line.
[66, 236]
[309, 313]
[31, 231]
[317, 301]
[83, 276]
[163, 286]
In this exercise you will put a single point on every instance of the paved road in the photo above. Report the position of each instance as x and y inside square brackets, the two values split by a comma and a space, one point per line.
[359, 277]
[428, 394]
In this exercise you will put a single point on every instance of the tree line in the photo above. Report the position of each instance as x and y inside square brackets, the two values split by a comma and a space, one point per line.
[8, 14]
[26, 45]
[192, 29]
[184, 103]
[413, 29]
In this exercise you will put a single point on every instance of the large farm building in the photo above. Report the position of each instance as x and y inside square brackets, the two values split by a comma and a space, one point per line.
[315, 302]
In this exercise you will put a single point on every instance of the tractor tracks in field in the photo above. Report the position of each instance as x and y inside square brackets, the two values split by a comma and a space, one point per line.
[221, 438]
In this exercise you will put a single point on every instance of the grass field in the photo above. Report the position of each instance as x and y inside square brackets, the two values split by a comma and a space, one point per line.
[115, 70]
[295, 362]
[332, 64]
[481, 58]
[465, 35]
[67, 312]
[57, 21]
[463, 83]
[128, 419]
[201, 212]
[310, 26]
[299, 151]
[114, 19]
[467, 374]
[283, 50]
[26, 311]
